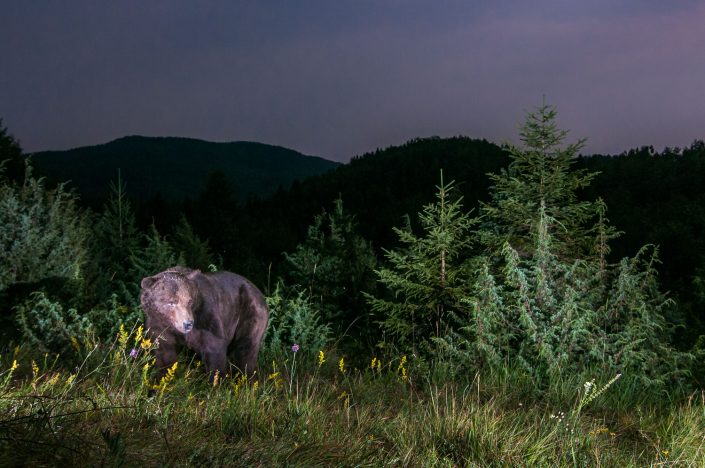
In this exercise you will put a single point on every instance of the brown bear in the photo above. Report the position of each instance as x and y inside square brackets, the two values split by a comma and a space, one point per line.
[218, 315]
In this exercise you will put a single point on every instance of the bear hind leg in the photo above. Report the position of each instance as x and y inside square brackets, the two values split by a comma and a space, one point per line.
[244, 356]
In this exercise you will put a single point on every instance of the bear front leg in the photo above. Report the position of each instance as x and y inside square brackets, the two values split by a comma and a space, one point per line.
[215, 360]
[166, 357]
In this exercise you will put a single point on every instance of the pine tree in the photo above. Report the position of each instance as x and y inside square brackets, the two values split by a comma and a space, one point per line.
[156, 255]
[196, 253]
[545, 298]
[12, 160]
[426, 278]
[116, 239]
[334, 265]
[540, 173]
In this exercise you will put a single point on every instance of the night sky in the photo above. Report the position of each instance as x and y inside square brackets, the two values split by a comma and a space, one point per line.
[337, 78]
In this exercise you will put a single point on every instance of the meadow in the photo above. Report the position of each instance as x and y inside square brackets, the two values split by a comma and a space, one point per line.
[313, 409]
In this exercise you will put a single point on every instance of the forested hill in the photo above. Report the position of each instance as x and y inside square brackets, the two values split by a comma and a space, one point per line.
[379, 188]
[177, 168]
[658, 198]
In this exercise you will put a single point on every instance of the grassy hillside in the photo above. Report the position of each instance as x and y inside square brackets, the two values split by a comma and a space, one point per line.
[178, 168]
[321, 412]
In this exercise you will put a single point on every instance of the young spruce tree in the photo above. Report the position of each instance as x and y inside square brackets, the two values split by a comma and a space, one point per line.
[540, 174]
[334, 265]
[545, 299]
[427, 277]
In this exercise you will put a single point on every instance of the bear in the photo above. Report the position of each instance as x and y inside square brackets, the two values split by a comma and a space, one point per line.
[217, 315]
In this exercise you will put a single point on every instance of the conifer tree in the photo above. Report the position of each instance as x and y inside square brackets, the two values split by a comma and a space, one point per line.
[545, 298]
[334, 265]
[427, 276]
[154, 255]
[196, 253]
[43, 233]
[540, 172]
[116, 238]
[12, 160]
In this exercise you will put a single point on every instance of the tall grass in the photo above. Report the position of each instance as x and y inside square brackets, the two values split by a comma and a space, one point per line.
[105, 411]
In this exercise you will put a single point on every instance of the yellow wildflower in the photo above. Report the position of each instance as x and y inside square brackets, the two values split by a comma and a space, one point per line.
[166, 380]
[321, 358]
[239, 383]
[341, 365]
[138, 335]
[75, 344]
[123, 337]
[53, 380]
[70, 380]
[402, 369]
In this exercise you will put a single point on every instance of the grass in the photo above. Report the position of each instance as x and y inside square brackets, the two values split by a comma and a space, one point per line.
[104, 411]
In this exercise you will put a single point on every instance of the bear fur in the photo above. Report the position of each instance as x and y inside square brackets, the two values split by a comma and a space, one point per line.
[217, 315]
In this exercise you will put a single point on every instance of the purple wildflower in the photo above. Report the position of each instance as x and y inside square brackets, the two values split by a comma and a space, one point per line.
[295, 348]
[133, 353]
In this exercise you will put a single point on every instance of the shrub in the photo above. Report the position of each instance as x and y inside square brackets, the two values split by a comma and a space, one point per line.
[294, 320]
[48, 326]
[42, 232]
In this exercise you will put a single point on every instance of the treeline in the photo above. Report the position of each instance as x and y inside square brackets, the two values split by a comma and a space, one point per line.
[659, 198]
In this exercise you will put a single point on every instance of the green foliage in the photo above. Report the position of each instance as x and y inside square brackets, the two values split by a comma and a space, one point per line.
[43, 233]
[547, 299]
[155, 254]
[116, 238]
[123, 255]
[335, 264]
[294, 320]
[108, 317]
[540, 174]
[48, 326]
[195, 252]
[122, 308]
[12, 161]
[631, 320]
[426, 278]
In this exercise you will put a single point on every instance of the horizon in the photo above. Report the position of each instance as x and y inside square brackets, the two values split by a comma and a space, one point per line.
[341, 80]
[370, 152]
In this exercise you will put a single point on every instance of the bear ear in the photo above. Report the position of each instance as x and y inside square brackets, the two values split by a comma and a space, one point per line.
[193, 273]
[148, 282]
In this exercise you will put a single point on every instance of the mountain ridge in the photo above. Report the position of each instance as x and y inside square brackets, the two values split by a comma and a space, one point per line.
[178, 167]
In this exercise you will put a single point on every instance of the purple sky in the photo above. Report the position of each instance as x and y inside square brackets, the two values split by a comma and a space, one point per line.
[337, 78]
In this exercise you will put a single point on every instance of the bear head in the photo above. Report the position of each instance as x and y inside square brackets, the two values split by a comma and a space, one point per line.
[171, 297]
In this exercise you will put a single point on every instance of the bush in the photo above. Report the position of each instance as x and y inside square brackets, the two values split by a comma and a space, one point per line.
[42, 232]
[48, 326]
[293, 320]
[108, 318]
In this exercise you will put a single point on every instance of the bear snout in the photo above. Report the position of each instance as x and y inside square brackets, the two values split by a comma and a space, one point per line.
[188, 325]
